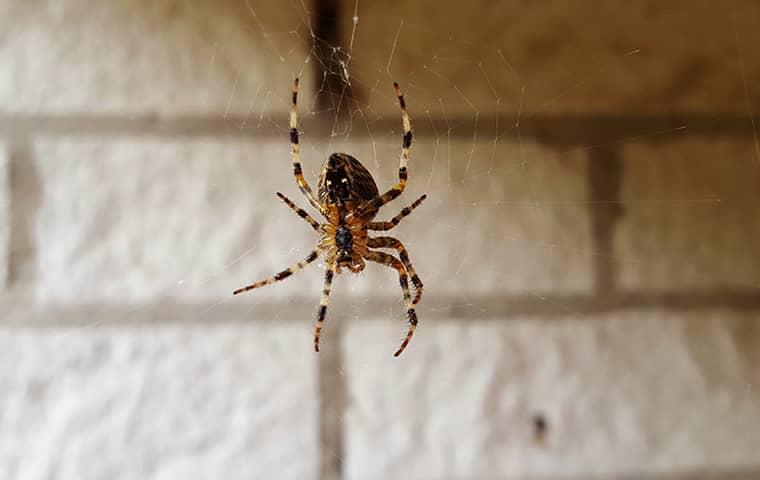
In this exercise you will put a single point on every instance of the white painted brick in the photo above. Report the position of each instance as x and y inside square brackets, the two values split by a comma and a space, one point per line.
[633, 393]
[163, 402]
[167, 57]
[690, 215]
[143, 220]
[134, 221]
[596, 57]
[5, 216]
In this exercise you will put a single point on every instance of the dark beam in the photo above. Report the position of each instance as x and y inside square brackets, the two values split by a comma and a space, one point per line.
[333, 92]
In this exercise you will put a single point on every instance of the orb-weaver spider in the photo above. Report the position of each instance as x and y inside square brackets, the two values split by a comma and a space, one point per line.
[348, 198]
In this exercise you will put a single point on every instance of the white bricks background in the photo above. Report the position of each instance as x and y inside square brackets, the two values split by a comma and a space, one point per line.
[590, 245]
[156, 402]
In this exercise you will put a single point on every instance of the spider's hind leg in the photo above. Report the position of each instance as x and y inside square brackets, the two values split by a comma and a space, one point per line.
[391, 261]
[390, 242]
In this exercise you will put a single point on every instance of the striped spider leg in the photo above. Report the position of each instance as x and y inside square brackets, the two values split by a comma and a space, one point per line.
[406, 144]
[283, 274]
[295, 153]
[390, 242]
[411, 314]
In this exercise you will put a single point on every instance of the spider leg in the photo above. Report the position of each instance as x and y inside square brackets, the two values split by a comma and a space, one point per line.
[295, 153]
[299, 211]
[406, 144]
[390, 242]
[391, 261]
[381, 226]
[329, 273]
[281, 275]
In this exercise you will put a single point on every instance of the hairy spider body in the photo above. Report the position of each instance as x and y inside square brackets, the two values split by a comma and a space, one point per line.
[348, 198]
[345, 183]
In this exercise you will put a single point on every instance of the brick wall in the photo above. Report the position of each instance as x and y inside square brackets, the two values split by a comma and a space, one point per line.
[589, 245]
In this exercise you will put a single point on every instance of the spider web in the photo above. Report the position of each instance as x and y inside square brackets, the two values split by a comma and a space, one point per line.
[507, 224]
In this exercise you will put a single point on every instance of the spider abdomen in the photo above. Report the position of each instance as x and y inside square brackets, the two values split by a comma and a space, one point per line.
[344, 180]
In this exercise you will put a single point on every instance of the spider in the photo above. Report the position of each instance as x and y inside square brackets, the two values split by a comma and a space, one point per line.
[348, 198]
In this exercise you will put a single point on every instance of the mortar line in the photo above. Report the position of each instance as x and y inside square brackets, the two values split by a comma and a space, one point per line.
[437, 308]
[21, 209]
[331, 98]
[5, 215]
[332, 400]
[605, 175]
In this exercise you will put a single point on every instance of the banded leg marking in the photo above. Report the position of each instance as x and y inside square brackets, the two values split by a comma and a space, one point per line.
[281, 275]
[299, 211]
[382, 226]
[391, 261]
[329, 274]
[406, 144]
[295, 153]
[390, 242]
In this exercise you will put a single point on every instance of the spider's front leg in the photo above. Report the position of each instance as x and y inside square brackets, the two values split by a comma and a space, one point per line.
[406, 144]
[393, 262]
[295, 153]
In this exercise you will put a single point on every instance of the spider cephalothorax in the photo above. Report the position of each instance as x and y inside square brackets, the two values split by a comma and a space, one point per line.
[348, 198]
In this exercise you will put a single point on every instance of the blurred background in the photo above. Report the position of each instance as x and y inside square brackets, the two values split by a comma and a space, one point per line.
[590, 245]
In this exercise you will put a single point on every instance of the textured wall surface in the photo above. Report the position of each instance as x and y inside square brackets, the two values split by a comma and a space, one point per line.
[590, 244]
[656, 393]
[156, 402]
